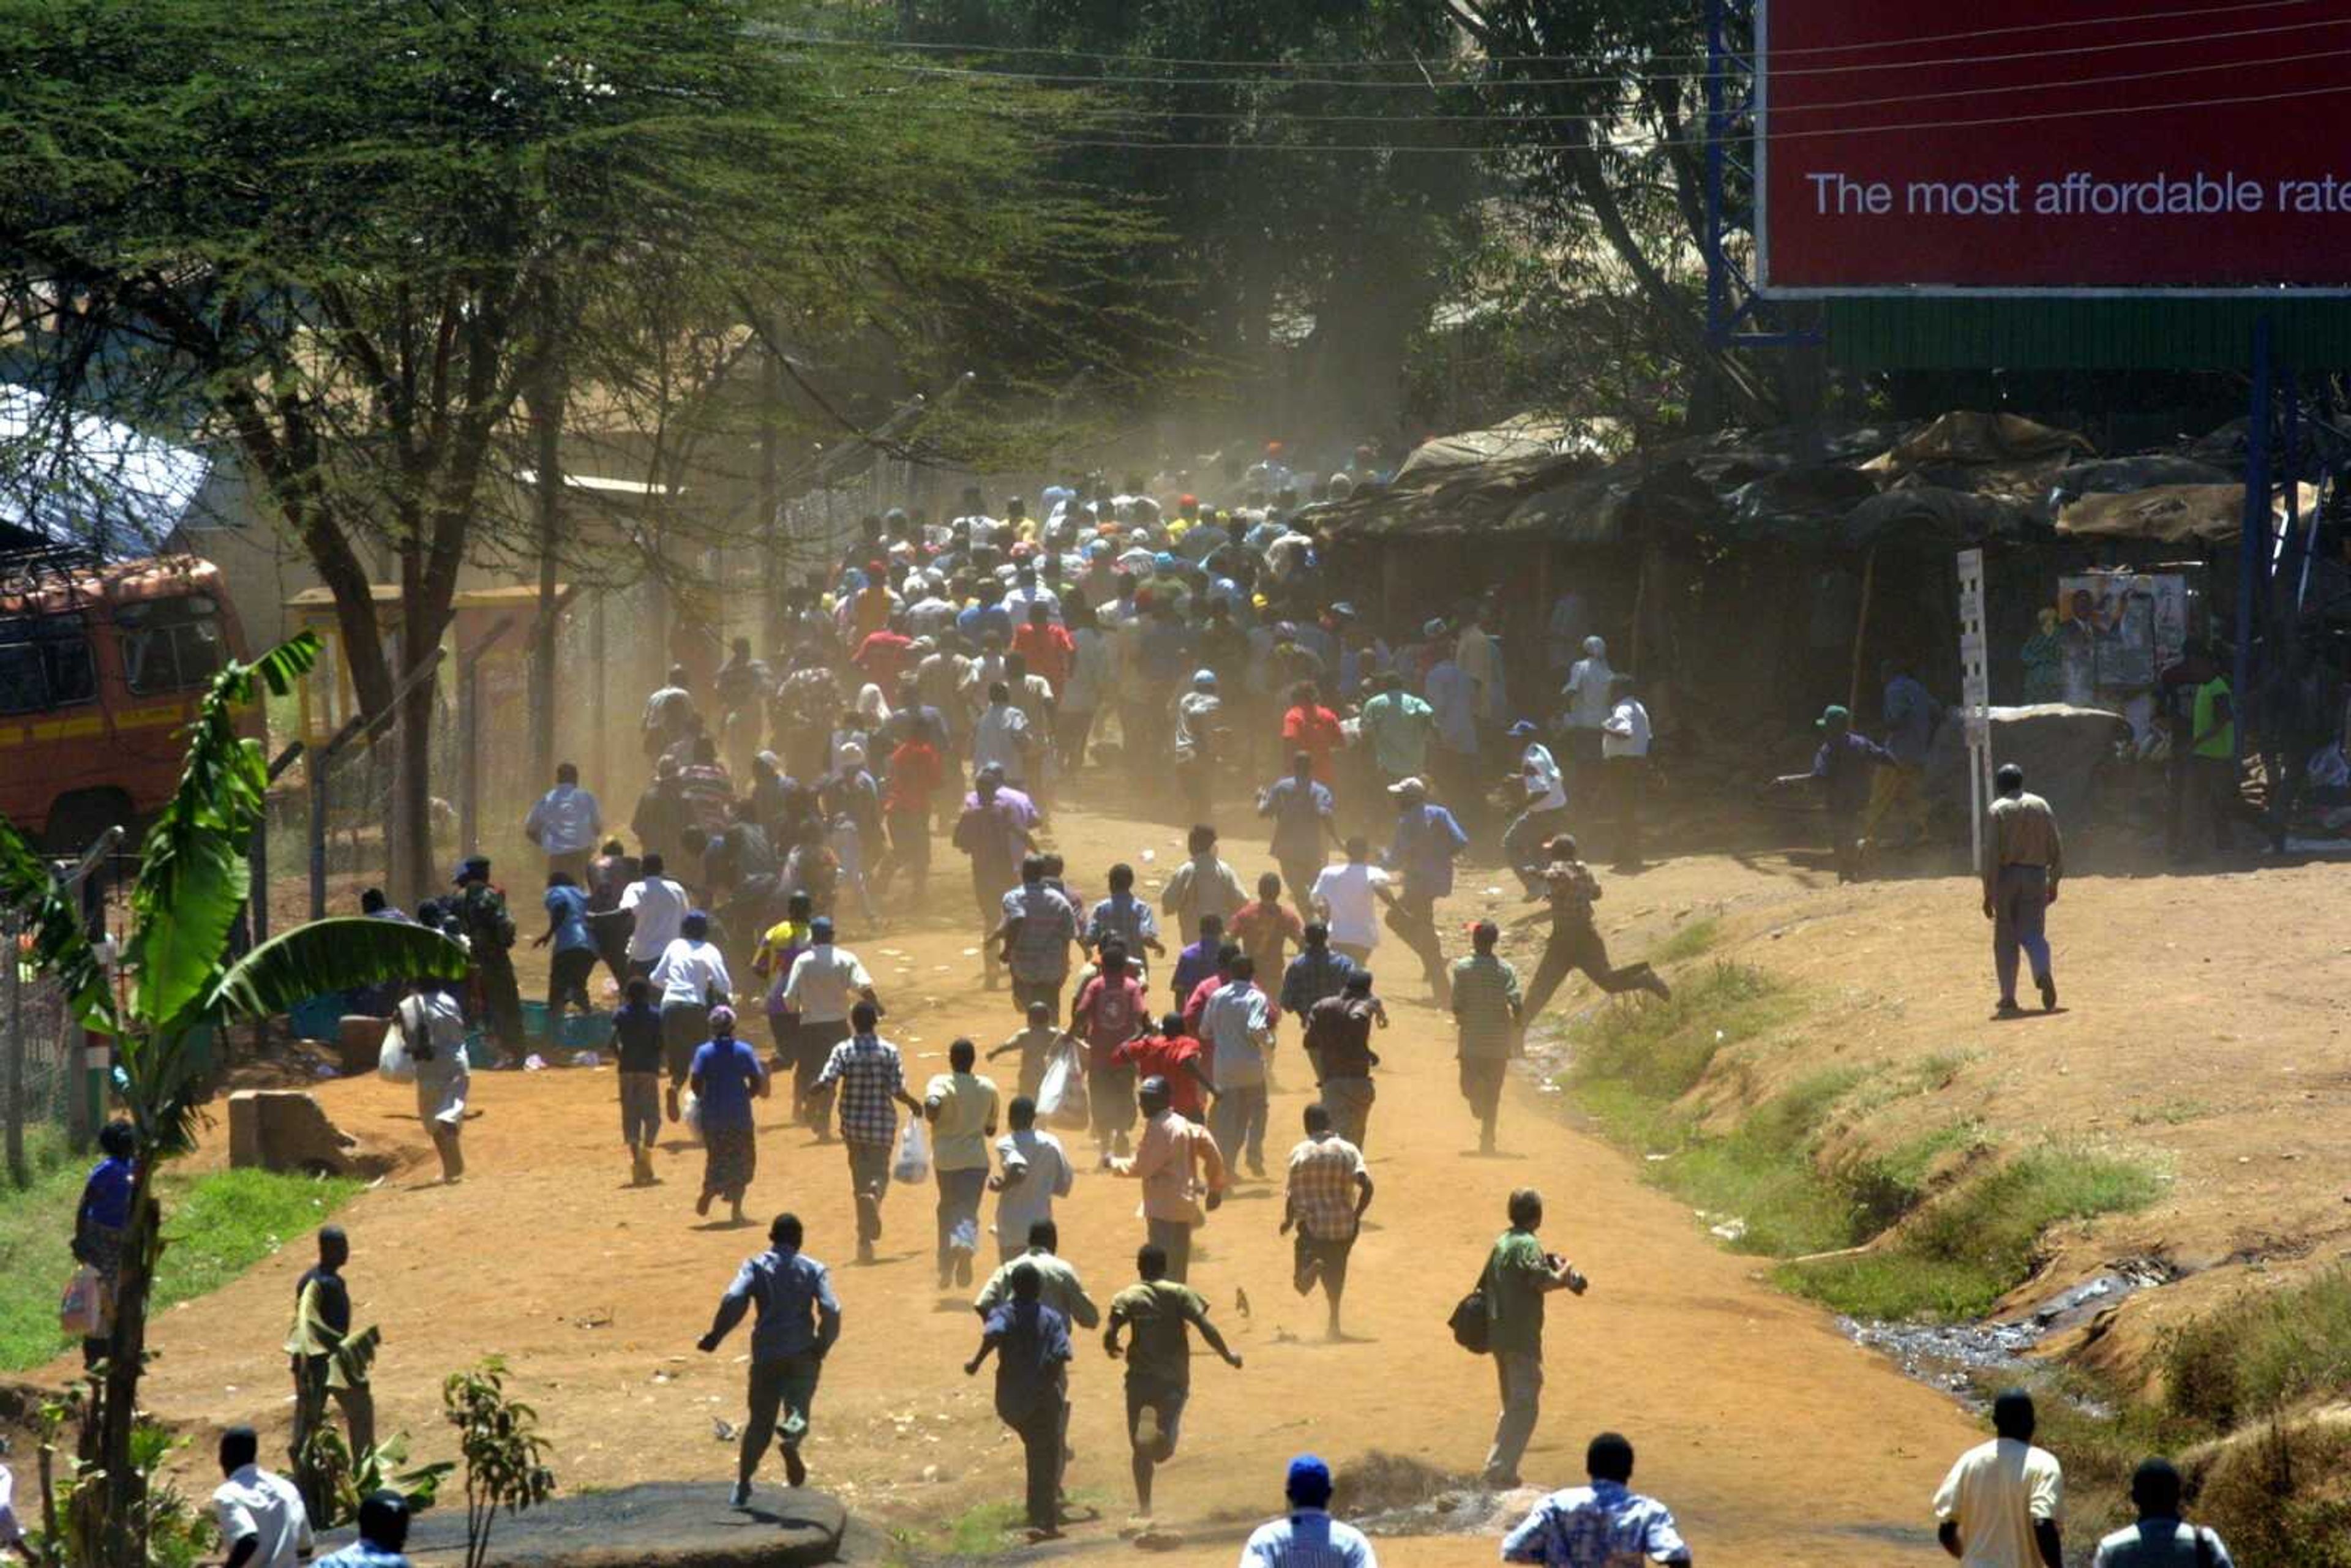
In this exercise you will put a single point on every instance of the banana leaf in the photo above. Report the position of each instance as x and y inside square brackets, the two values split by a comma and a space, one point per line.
[338, 955]
[60, 946]
[193, 875]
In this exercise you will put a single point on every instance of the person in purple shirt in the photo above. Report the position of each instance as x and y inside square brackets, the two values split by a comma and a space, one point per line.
[1426, 840]
[1198, 961]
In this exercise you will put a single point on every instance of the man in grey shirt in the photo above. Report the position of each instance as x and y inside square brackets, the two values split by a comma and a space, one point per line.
[2160, 1539]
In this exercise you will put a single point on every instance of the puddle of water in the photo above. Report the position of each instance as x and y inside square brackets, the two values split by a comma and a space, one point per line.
[1960, 1357]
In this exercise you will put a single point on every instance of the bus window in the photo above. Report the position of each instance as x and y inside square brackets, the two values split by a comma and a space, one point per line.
[170, 645]
[44, 662]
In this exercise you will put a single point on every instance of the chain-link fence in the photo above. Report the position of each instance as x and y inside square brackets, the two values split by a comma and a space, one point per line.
[36, 1042]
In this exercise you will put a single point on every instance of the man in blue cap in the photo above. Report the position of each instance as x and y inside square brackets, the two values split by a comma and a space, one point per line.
[1308, 1537]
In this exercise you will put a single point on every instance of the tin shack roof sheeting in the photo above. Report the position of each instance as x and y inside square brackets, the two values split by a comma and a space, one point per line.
[2171, 513]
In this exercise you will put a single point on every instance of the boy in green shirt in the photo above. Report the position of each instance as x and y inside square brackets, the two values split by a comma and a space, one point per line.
[1160, 1312]
[1519, 1275]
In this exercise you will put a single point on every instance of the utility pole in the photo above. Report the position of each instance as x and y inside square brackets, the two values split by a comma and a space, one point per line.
[18, 1171]
[769, 532]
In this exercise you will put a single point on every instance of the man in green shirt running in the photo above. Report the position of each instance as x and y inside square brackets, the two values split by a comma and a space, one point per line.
[1160, 1313]
[1519, 1275]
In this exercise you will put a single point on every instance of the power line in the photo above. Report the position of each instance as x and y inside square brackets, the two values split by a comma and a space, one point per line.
[1284, 116]
[1654, 143]
[1407, 63]
[1063, 79]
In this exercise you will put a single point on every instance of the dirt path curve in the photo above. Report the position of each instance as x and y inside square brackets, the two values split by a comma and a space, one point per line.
[1773, 1438]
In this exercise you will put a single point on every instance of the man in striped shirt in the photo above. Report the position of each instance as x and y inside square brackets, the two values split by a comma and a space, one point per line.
[1603, 1525]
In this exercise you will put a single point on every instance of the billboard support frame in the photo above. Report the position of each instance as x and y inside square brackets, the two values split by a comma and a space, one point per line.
[1736, 311]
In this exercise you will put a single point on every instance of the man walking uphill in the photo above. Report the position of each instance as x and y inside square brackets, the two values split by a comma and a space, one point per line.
[799, 1321]
[2022, 860]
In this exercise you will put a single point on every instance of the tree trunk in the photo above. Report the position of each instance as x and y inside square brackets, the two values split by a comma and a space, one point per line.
[547, 417]
[107, 1514]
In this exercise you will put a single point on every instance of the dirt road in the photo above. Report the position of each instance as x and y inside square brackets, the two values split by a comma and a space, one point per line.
[1773, 1438]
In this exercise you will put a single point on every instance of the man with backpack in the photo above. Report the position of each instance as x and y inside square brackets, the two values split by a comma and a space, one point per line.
[489, 933]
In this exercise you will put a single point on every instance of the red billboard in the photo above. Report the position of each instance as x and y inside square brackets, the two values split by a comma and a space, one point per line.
[2052, 146]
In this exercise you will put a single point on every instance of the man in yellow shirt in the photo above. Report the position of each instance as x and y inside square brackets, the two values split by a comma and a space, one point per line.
[328, 1360]
[2023, 858]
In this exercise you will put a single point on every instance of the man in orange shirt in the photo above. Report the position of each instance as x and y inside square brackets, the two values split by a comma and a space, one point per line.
[1181, 1171]
[1046, 646]
[1172, 1056]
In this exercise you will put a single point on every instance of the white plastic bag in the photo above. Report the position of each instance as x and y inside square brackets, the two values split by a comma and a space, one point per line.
[690, 1112]
[912, 1163]
[1061, 1094]
[392, 1060]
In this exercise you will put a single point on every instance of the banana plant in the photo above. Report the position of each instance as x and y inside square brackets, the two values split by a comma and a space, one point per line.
[193, 884]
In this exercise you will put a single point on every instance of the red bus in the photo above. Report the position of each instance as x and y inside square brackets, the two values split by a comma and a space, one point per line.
[100, 668]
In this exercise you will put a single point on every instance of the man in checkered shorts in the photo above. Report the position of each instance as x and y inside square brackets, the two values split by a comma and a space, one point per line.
[1329, 1188]
[871, 1080]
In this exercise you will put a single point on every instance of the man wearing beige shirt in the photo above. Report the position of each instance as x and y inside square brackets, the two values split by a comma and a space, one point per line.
[961, 1107]
[2023, 859]
[1181, 1171]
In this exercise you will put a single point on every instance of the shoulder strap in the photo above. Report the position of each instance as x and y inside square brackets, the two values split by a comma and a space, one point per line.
[2207, 1548]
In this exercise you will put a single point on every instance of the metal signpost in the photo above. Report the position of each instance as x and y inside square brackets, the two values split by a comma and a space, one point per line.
[1975, 694]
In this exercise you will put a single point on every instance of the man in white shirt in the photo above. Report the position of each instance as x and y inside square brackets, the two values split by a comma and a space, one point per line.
[1590, 694]
[1624, 764]
[1347, 897]
[2160, 1539]
[1001, 737]
[825, 983]
[1999, 1506]
[658, 906]
[262, 1521]
[1307, 1536]
[1544, 794]
[1033, 1170]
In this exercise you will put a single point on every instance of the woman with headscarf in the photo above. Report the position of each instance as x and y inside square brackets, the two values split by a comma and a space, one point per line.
[100, 1223]
[728, 1075]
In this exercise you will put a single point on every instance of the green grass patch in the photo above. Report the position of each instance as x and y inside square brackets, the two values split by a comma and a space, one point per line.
[215, 1226]
[1960, 1255]
[1691, 939]
[2261, 1354]
[1660, 1050]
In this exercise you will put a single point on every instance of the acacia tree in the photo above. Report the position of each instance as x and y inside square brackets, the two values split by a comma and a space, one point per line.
[193, 879]
[348, 241]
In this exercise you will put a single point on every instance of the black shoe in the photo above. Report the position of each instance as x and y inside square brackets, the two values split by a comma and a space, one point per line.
[795, 1468]
[2048, 984]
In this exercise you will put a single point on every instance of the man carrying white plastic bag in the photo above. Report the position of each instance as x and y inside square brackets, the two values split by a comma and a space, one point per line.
[962, 1109]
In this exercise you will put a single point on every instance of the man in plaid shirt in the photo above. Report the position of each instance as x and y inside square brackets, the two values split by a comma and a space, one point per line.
[1487, 1008]
[1329, 1188]
[871, 1080]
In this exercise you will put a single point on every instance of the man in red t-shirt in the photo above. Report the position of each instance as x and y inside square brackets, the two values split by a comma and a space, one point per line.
[1046, 646]
[1109, 1012]
[915, 773]
[883, 656]
[1175, 1056]
[1312, 728]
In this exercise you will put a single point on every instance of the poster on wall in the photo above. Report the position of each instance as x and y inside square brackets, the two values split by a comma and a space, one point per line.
[2117, 632]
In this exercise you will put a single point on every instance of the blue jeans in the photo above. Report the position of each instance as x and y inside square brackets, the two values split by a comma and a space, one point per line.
[1238, 1115]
